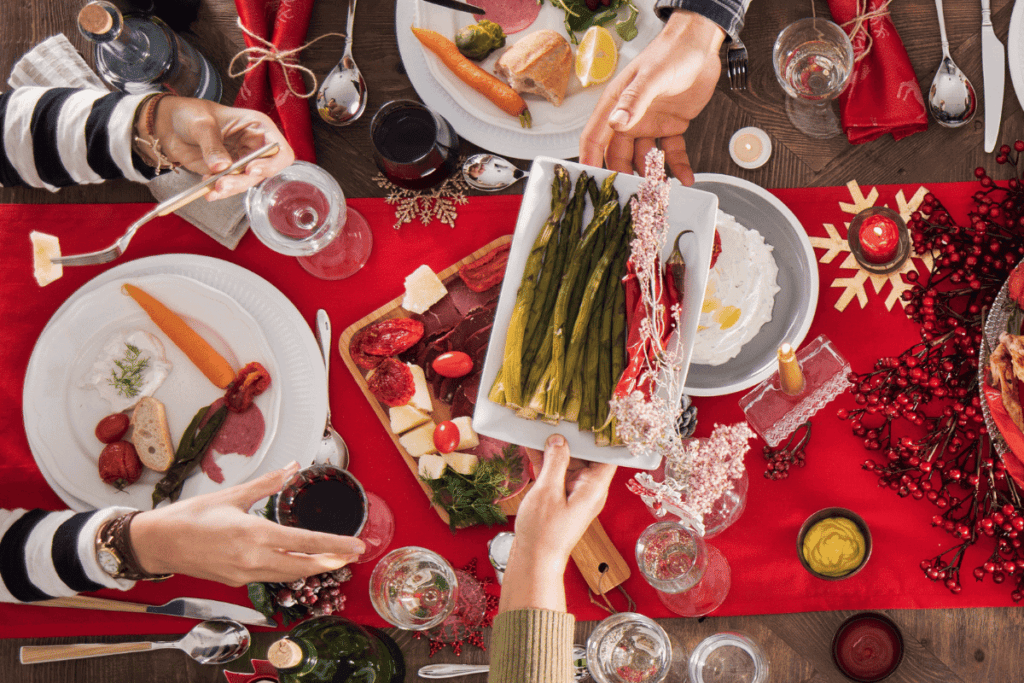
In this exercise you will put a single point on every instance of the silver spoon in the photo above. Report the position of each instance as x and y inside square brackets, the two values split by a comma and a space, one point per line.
[332, 448]
[210, 642]
[490, 173]
[951, 100]
[341, 98]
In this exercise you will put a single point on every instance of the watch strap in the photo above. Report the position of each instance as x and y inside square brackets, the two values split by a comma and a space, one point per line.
[115, 535]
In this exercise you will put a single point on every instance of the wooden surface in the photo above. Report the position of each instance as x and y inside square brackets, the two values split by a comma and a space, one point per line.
[970, 645]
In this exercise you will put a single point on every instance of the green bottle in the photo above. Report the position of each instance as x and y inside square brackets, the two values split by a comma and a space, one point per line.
[332, 649]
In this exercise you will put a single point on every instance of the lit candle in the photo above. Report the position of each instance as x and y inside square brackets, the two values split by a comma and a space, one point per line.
[750, 147]
[879, 239]
[791, 377]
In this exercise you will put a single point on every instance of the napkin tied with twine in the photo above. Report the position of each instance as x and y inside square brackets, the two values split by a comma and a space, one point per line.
[883, 95]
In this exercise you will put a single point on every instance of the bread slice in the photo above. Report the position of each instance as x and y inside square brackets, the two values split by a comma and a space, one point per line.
[539, 63]
[150, 434]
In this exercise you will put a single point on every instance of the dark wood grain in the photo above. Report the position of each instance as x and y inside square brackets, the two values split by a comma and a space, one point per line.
[970, 645]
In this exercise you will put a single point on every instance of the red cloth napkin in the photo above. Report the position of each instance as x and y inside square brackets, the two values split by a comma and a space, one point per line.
[266, 87]
[883, 95]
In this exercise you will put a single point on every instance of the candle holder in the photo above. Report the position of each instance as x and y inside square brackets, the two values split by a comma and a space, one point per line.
[879, 240]
[775, 414]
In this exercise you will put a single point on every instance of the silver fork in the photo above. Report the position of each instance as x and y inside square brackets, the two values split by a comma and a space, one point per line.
[171, 205]
[737, 58]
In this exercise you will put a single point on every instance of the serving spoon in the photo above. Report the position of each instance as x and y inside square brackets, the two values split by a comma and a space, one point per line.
[332, 449]
[951, 99]
[210, 642]
[490, 173]
[342, 96]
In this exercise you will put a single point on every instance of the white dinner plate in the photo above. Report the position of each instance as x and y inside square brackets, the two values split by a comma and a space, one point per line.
[555, 131]
[688, 209]
[218, 297]
[1015, 50]
[795, 302]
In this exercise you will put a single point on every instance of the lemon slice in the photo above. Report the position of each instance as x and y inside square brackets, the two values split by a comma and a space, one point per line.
[45, 247]
[596, 57]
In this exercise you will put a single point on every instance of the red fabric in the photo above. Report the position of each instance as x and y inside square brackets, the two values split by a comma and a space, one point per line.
[760, 547]
[883, 95]
[265, 88]
[639, 351]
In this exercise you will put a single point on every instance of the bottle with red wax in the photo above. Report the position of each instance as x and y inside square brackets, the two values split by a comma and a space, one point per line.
[879, 238]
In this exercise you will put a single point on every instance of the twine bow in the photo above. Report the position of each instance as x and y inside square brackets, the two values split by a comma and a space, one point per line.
[860, 21]
[288, 59]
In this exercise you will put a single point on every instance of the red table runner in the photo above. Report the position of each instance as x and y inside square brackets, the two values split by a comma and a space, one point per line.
[761, 546]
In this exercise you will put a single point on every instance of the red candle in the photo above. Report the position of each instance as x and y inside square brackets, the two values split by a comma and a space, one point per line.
[879, 239]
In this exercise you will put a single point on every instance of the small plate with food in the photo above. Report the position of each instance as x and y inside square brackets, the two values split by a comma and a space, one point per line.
[538, 58]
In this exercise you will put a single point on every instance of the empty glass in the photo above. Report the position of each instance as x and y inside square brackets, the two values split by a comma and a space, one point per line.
[728, 657]
[813, 61]
[301, 212]
[413, 146]
[631, 647]
[692, 578]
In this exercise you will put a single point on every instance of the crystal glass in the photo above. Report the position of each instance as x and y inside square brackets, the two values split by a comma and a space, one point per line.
[413, 146]
[691, 577]
[301, 212]
[417, 589]
[726, 510]
[813, 61]
[728, 657]
[631, 647]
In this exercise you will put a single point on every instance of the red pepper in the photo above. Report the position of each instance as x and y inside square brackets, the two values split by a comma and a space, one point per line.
[640, 351]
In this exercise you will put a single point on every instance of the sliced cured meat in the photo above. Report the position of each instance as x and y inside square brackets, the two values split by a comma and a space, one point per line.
[391, 337]
[465, 299]
[392, 383]
[242, 433]
[441, 316]
[512, 15]
[362, 359]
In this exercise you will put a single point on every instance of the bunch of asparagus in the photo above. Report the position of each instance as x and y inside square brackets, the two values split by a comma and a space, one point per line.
[566, 343]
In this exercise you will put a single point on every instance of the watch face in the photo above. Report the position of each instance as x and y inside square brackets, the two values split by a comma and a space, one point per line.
[110, 562]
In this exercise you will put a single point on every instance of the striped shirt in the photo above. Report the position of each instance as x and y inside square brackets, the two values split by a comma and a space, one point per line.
[728, 14]
[54, 137]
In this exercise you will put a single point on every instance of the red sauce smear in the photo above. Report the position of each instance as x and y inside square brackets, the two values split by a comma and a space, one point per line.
[511, 15]
[241, 433]
[868, 649]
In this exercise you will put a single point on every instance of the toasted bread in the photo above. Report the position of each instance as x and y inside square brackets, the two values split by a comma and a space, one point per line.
[151, 436]
[539, 63]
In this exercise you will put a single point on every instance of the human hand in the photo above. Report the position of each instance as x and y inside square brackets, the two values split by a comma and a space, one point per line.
[214, 537]
[652, 101]
[206, 137]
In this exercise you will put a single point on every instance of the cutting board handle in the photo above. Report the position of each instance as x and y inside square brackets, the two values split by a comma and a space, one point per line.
[600, 562]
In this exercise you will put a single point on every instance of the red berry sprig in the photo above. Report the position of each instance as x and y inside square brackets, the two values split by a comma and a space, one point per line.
[792, 452]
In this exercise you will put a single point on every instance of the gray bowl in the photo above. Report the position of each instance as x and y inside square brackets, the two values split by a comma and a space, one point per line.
[826, 514]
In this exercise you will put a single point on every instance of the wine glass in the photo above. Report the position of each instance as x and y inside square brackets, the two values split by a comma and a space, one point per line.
[631, 647]
[302, 212]
[416, 589]
[691, 577]
[413, 146]
[813, 61]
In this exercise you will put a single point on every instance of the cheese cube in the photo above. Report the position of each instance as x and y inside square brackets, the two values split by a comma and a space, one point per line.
[404, 418]
[421, 399]
[467, 436]
[419, 441]
[431, 467]
[45, 247]
[423, 289]
[463, 463]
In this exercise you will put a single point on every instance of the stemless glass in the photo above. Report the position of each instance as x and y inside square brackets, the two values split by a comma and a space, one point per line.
[691, 577]
[631, 647]
[414, 146]
[302, 212]
[728, 657]
[813, 61]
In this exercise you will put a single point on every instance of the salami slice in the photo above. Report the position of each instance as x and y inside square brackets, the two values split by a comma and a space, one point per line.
[391, 337]
[392, 383]
[362, 359]
[511, 15]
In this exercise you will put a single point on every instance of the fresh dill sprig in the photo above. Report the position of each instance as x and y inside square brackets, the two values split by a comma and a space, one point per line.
[127, 379]
[470, 499]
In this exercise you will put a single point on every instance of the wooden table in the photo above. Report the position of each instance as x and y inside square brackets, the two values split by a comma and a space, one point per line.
[942, 645]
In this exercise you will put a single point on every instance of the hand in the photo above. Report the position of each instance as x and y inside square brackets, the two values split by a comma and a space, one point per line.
[206, 138]
[214, 537]
[655, 97]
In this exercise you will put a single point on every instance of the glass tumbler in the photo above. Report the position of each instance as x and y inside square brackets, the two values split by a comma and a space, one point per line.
[691, 577]
[413, 146]
[728, 657]
[629, 647]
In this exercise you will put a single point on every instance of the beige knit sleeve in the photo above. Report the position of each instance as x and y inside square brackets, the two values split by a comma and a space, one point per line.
[532, 645]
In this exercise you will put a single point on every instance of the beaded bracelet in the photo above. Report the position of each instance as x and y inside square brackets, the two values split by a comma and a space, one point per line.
[152, 146]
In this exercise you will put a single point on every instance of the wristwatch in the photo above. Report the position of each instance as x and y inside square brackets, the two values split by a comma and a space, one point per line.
[115, 554]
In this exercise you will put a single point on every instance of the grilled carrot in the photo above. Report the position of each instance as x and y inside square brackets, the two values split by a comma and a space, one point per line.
[211, 363]
[507, 99]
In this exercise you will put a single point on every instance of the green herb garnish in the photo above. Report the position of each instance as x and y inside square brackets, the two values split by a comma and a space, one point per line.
[579, 17]
[469, 499]
[127, 379]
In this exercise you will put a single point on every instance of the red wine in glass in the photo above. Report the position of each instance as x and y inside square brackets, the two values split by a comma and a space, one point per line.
[413, 146]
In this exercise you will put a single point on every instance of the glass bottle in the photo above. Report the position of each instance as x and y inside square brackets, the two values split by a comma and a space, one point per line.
[139, 54]
[334, 649]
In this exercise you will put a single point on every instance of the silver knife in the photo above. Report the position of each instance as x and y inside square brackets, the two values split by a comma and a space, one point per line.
[460, 6]
[192, 608]
[993, 62]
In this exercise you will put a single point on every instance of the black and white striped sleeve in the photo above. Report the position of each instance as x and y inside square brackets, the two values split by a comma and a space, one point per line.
[52, 554]
[728, 14]
[54, 137]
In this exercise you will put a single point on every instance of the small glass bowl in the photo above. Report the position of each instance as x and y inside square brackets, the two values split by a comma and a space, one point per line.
[877, 635]
[286, 511]
[902, 247]
[826, 514]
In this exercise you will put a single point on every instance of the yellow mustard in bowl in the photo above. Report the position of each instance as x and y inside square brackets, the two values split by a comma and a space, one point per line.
[834, 546]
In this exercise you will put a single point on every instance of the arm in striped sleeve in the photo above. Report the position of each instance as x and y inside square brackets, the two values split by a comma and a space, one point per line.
[729, 14]
[52, 554]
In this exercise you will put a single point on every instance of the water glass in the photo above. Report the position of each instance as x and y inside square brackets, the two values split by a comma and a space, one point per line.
[691, 577]
[631, 647]
[413, 146]
[728, 657]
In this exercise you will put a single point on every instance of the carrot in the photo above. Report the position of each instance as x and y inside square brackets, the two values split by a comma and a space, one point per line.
[507, 99]
[212, 364]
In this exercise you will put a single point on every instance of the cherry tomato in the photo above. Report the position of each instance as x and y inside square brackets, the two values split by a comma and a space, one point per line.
[446, 436]
[453, 364]
[112, 428]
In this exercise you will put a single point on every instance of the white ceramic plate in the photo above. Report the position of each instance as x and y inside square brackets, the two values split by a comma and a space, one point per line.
[1015, 50]
[689, 209]
[294, 407]
[795, 302]
[556, 130]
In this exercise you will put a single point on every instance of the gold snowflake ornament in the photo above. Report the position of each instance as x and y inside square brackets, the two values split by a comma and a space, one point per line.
[441, 203]
[855, 285]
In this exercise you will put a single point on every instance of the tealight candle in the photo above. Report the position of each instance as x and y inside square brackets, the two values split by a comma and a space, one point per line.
[791, 377]
[750, 147]
[879, 238]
